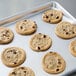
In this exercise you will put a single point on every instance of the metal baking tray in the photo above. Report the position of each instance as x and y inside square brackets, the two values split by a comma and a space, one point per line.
[34, 59]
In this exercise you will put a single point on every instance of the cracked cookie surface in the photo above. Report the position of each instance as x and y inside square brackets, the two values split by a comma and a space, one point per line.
[26, 27]
[40, 42]
[72, 47]
[65, 30]
[13, 56]
[52, 16]
[6, 35]
[53, 63]
[22, 71]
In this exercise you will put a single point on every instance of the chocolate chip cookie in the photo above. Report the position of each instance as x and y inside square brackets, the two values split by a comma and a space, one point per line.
[6, 35]
[40, 42]
[53, 63]
[22, 71]
[65, 30]
[52, 16]
[13, 56]
[72, 47]
[26, 27]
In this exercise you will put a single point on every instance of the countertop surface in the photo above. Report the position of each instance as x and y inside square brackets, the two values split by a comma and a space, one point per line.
[12, 7]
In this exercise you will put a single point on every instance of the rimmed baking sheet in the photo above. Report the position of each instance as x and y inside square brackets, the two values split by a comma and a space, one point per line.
[34, 59]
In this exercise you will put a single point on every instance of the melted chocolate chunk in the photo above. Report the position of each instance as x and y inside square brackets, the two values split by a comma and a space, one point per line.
[24, 71]
[15, 63]
[21, 27]
[50, 52]
[57, 17]
[47, 16]
[59, 62]
[63, 29]
[44, 36]
[8, 38]
[51, 14]
[33, 27]
[14, 73]
[11, 50]
[39, 33]
[38, 48]
[25, 20]
[57, 69]
[49, 21]
[14, 52]
[22, 68]
[67, 33]
[4, 34]
[73, 32]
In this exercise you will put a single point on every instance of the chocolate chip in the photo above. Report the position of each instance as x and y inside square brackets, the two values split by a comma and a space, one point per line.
[57, 17]
[25, 20]
[22, 67]
[63, 29]
[15, 63]
[33, 27]
[38, 48]
[67, 33]
[47, 16]
[8, 38]
[59, 62]
[14, 73]
[8, 56]
[73, 32]
[14, 52]
[49, 21]
[57, 69]
[24, 71]
[21, 27]
[51, 14]
[11, 50]
[39, 33]
[50, 52]
[4, 34]
[44, 36]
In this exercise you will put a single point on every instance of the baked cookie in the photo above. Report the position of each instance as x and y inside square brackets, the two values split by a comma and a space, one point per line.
[52, 16]
[13, 56]
[72, 47]
[65, 30]
[40, 42]
[6, 35]
[53, 63]
[26, 27]
[22, 71]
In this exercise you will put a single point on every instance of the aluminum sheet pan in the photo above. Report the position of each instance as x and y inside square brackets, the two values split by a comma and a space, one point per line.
[34, 59]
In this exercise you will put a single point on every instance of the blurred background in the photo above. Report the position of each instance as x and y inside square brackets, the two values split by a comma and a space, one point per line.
[12, 7]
